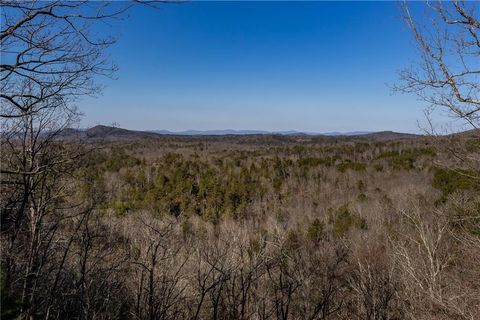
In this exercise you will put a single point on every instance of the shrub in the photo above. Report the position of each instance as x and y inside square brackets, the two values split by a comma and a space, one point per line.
[120, 207]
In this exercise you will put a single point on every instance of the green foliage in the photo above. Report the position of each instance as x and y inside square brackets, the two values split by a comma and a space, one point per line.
[315, 230]
[355, 166]
[449, 181]
[406, 159]
[342, 220]
[119, 159]
[227, 184]
[93, 183]
[178, 186]
[119, 207]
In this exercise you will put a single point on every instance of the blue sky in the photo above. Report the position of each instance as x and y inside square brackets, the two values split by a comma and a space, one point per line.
[308, 66]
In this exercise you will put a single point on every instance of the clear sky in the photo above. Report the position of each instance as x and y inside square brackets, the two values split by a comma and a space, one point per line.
[308, 66]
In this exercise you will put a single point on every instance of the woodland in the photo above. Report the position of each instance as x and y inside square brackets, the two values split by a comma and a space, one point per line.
[108, 223]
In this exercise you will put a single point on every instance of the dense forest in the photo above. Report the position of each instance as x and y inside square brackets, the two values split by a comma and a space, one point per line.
[262, 227]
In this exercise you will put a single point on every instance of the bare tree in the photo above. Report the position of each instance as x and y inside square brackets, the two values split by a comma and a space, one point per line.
[323, 277]
[425, 255]
[374, 283]
[239, 289]
[212, 270]
[49, 52]
[284, 278]
[50, 57]
[447, 73]
[158, 270]
[446, 76]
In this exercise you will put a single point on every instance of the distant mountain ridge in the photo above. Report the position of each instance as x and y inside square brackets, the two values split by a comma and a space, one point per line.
[210, 132]
[246, 132]
[107, 133]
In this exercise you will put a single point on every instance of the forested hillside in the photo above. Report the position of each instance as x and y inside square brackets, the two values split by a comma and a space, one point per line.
[223, 229]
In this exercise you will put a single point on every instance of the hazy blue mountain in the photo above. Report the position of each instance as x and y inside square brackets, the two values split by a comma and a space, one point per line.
[244, 132]
[351, 133]
[107, 133]
[211, 132]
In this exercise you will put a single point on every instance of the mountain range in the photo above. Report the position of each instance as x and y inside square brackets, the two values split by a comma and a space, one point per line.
[246, 132]
[107, 133]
